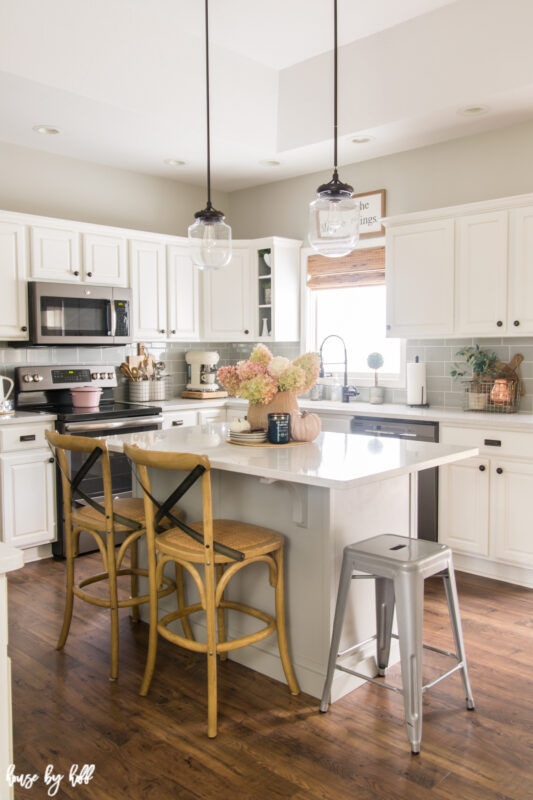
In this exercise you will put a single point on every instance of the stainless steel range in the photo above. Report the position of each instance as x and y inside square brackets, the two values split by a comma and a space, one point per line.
[47, 389]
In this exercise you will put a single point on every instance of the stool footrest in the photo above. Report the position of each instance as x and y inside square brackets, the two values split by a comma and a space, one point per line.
[370, 680]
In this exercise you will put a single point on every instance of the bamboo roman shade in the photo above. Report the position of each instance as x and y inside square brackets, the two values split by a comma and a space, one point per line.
[360, 268]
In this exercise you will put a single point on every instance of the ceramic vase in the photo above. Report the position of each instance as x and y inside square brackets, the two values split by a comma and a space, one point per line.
[283, 402]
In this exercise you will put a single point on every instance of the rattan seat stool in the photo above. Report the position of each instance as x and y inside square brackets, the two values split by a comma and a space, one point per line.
[399, 566]
[212, 551]
[102, 522]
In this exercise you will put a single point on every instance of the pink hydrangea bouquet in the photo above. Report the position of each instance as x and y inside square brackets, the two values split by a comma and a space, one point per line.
[260, 378]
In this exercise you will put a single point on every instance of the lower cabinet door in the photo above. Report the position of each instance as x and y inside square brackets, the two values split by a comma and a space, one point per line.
[179, 419]
[28, 498]
[512, 490]
[464, 506]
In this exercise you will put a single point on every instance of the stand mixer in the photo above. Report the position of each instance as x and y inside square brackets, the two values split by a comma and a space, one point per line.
[202, 371]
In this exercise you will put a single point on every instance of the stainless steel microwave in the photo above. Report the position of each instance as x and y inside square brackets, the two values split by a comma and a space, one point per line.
[64, 313]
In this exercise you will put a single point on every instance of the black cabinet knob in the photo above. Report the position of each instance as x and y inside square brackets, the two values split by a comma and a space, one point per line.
[499, 470]
[388, 327]
[516, 323]
[482, 467]
[247, 331]
[51, 460]
[76, 272]
[499, 323]
[89, 274]
[162, 330]
[24, 328]
[173, 331]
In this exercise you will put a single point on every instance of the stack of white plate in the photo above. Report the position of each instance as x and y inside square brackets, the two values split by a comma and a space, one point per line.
[253, 437]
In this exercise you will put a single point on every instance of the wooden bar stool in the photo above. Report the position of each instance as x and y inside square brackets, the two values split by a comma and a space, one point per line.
[399, 566]
[102, 522]
[222, 547]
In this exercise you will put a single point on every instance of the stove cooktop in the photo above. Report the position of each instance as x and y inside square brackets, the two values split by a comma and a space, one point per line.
[113, 410]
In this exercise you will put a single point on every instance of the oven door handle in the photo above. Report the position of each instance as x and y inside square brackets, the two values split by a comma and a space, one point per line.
[110, 425]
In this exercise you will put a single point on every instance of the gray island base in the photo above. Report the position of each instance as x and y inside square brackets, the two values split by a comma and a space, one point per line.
[322, 496]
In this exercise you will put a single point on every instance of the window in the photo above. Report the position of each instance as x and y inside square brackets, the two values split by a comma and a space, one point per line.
[356, 311]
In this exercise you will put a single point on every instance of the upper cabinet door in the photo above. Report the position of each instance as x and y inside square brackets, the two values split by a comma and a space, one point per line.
[13, 272]
[419, 275]
[520, 319]
[105, 259]
[227, 300]
[182, 295]
[55, 254]
[481, 274]
[148, 283]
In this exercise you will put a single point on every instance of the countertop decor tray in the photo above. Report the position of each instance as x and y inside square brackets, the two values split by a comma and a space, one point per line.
[264, 444]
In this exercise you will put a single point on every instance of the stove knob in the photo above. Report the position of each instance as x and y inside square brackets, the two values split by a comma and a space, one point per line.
[37, 378]
[110, 375]
[102, 375]
[94, 375]
[27, 378]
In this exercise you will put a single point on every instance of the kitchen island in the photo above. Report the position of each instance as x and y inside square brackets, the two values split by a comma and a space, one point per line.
[321, 496]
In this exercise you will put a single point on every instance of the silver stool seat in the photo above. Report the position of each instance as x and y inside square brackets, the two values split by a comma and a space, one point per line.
[399, 566]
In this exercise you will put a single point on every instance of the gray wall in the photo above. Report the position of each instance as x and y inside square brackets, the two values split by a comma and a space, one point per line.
[481, 167]
[35, 182]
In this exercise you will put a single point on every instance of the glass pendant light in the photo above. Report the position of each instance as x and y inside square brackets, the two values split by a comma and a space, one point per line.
[209, 236]
[334, 215]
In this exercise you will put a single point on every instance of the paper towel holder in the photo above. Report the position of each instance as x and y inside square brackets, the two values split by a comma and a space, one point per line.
[423, 395]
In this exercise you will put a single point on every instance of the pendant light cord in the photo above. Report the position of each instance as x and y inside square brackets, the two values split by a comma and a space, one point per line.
[207, 103]
[335, 126]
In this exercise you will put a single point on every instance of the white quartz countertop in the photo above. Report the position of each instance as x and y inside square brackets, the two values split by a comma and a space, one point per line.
[450, 416]
[334, 460]
[26, 416]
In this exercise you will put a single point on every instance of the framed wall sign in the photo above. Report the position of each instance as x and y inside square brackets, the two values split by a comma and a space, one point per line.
[372, 208]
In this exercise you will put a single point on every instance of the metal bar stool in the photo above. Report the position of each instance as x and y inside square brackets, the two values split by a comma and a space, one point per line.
[399, 566]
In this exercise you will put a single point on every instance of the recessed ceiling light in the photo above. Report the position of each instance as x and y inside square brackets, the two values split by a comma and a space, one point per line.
[46, 129]
[363, 139]
[270, 163]
[174, 162]
[473, 111]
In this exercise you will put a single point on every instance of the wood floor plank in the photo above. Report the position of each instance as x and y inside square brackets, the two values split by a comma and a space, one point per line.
[270, 745]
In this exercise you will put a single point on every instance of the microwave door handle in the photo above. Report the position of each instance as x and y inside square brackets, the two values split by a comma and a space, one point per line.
[112, 323]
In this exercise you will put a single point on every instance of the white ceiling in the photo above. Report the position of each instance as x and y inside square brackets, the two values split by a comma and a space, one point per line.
[124, 80]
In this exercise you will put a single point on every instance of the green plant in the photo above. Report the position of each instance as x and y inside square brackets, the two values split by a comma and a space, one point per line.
[481, 363]
[375, 362]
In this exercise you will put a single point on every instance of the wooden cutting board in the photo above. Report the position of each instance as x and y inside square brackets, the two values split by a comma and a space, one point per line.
[204, 395]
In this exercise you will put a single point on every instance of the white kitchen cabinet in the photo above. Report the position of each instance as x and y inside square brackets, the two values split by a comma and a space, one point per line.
[481, 274]
[105, 259]
[13, 272]
[512, 490]
[227, 300]
[276, 272]
[520, 283]
[212, 415]
[28, 498]
[55, 253]
[420, 279]
[183, 311]
[484, 503]
[179, 419]
[464, 506]
[149, 287]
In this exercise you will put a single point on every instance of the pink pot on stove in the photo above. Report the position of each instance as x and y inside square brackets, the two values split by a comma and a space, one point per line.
[86, 396]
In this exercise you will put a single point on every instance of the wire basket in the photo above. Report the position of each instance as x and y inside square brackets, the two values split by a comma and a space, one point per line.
[501, 396]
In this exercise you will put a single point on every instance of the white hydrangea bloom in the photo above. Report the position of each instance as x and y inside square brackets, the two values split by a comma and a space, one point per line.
[277, 366]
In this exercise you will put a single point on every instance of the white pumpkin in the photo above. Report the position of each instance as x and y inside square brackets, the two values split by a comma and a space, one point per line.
[240, 426]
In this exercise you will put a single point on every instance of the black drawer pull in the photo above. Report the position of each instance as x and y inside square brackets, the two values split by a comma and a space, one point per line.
[30, 437]
[482, 467]
[492, 442]
[177, 422]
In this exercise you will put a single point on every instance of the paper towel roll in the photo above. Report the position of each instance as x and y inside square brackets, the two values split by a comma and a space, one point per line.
[416, 384]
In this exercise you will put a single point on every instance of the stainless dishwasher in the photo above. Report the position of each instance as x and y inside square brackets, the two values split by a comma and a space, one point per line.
[428, 479]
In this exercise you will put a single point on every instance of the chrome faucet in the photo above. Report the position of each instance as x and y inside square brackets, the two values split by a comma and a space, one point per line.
[347, 391]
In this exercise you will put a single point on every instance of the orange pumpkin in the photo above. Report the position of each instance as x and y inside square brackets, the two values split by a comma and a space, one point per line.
[305, 427]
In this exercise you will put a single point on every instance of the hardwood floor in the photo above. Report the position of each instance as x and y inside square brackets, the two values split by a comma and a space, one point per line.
[270, 745]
